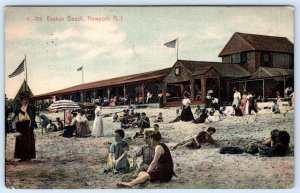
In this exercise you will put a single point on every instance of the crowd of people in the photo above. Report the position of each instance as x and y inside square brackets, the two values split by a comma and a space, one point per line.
[157, 162]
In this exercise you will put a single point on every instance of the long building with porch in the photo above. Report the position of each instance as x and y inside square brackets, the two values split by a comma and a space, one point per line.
[258, 63]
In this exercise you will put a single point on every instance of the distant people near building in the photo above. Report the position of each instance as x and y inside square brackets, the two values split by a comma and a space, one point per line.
[186, 113]
[292, 103]
[288, 91]
[236, 97]
[149, 97]
[208, 98]
[252, 103]
[243, 103]
[197, 95]
[113, 101]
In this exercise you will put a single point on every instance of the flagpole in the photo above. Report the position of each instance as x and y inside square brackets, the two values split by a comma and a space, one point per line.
[25, 73]
[82, 74]
[177, 46]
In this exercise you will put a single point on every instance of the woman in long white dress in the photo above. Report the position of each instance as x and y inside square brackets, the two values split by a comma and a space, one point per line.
[98, 123]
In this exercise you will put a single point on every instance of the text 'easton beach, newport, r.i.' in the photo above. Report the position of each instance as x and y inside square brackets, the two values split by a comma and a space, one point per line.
[75, 19]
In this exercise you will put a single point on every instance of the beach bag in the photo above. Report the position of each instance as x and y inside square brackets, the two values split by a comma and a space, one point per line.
[231, 150]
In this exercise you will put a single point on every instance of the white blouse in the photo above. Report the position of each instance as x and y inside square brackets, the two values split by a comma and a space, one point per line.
[186, 102]
[80, 118]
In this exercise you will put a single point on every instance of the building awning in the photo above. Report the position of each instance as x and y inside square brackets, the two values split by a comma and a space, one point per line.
[265, 72]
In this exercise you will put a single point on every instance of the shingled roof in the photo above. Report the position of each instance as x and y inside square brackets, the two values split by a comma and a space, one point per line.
[109, 82]
[225, 69]
[241, 42]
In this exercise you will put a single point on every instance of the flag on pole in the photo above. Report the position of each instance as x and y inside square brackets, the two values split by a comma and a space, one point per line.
[18, 71]
[171, 44]
[79, 69]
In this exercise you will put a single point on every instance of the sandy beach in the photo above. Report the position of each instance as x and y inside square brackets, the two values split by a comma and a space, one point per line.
[71, 163]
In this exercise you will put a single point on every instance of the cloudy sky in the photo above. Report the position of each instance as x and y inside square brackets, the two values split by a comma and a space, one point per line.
[111, 41]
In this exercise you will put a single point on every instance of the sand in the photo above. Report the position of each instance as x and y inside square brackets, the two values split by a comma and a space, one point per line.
[71, 163]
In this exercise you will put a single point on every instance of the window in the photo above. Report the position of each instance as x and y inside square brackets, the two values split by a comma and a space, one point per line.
[244, 57]
[266, 58]
[177, 71]
[236, 58]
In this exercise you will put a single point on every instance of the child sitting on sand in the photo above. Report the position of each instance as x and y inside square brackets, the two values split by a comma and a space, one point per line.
[201, 138]
[117, 158]
[159, 118]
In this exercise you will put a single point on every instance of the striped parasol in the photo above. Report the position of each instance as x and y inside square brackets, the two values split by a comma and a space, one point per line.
[63, 105]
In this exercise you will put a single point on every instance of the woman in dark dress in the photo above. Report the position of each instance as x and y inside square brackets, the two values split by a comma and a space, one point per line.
[25, 144]
[186, 113]
[160, 169]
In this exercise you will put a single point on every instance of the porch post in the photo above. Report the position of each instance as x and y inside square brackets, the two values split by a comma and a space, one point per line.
[124, 90]
[164, 90]
[203, 87]
[284, 82]
[192, 89]
[108, 92]
[81, 96]
[263, 88]
[143, 91]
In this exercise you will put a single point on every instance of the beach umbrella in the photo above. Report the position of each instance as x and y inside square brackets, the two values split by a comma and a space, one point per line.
[63, 105]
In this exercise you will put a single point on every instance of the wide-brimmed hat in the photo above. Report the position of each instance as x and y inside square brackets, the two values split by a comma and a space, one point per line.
[24, 95]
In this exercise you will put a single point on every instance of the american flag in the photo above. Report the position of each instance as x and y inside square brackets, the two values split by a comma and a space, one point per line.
[18, 71]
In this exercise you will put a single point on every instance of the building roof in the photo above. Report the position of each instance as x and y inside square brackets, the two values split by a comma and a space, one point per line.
[109, 82]
[225, 69]
[22, 88]
[241, 42]
[265, 72]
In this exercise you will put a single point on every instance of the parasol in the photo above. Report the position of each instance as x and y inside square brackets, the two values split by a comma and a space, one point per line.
[63, 105]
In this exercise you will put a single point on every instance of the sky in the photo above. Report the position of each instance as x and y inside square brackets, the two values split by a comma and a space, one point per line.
[116, 41]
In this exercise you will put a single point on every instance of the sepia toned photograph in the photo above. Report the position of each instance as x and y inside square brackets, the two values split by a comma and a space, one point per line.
[149, 97]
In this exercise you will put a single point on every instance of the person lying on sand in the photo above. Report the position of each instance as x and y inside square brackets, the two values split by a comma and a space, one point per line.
[201, 138]
[276, 145]
[160, 169]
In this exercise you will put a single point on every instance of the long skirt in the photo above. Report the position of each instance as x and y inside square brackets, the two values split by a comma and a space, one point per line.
[25, 144]
[82, 129]
[186, 114]
[98, 127]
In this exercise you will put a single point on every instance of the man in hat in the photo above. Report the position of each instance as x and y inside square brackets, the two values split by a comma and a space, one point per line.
[25, 144]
